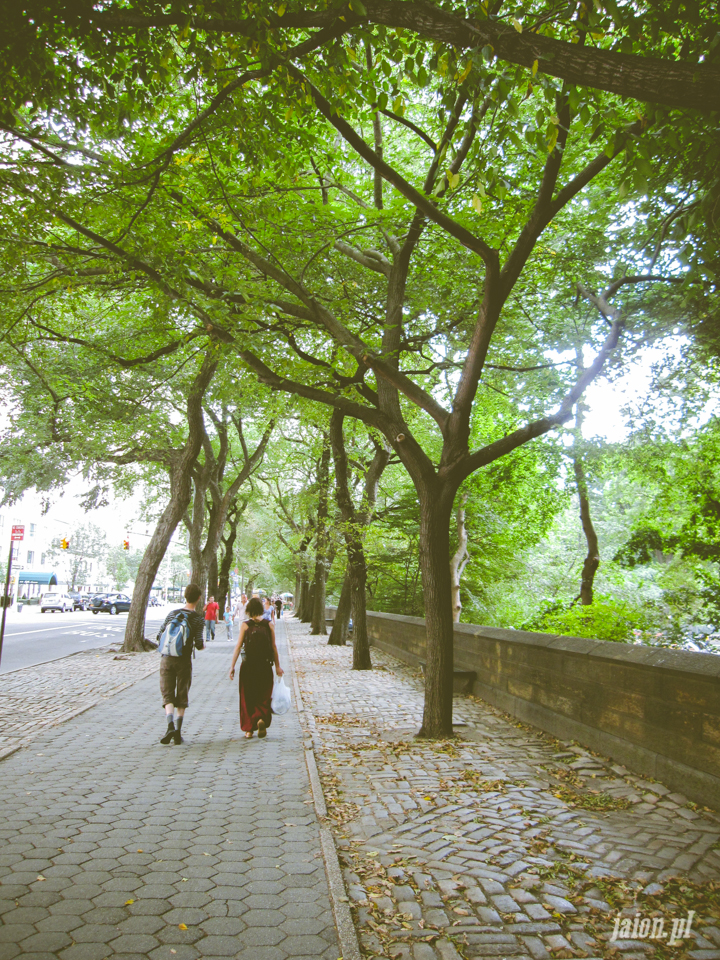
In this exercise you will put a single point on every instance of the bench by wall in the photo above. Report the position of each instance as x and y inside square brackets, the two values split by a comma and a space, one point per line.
[656, 711]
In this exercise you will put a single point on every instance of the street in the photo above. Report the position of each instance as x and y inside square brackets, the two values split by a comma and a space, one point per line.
[32, 637]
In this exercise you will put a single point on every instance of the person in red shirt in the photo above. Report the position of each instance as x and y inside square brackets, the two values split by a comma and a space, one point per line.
[211, 617]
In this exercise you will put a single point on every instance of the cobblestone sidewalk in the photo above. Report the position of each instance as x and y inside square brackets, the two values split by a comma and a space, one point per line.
[502, 843]
[34, 699]
[113, 846]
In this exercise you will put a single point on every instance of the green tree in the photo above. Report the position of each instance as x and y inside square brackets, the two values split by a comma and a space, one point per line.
[403, 297]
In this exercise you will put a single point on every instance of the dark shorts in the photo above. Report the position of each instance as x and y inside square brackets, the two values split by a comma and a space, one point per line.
[175, 680]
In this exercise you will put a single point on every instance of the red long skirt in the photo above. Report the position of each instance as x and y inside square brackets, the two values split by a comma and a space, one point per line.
[256, 685]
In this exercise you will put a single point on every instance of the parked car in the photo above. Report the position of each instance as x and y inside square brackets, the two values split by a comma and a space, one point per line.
[56, 601]
[111, 603]
[96, 601]
[80, 601]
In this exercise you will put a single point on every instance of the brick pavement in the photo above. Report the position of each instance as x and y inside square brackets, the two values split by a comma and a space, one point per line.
[502, 843]
[112, 845]
[34, 699]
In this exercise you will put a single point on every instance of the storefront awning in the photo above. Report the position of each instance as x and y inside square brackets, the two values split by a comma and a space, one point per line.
[45, 579]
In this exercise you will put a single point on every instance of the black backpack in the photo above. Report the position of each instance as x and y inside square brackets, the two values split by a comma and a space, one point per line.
[258, 643]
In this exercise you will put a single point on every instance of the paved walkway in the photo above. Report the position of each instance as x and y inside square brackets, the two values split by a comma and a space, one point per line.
[112, 845]
[35, 699]
[503, 843]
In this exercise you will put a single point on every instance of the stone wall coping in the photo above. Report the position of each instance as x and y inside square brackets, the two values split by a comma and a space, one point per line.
[702, 665]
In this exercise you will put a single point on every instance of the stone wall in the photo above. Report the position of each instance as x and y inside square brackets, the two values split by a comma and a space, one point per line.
[656, 711]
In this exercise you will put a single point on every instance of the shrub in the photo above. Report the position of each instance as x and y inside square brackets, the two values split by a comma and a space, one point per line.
[605, 619]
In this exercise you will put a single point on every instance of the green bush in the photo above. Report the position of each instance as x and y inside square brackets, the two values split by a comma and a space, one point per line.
[605, 619]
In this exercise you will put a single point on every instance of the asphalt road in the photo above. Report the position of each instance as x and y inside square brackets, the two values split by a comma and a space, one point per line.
[32, 637]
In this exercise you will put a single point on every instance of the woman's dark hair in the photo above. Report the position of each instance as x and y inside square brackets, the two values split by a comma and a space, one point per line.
[254, 607]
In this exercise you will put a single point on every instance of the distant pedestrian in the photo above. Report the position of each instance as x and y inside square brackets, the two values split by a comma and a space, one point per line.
[268, 610]
[211, 618]
[239, 611]
[257, 642]
[227, 617]
[183, 628]
[278, 607]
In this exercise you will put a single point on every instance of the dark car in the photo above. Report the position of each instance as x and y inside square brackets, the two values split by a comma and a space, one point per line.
[81, 601]
[111, 603]
[96, 601]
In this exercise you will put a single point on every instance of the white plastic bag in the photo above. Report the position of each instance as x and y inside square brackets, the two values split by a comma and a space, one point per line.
[280, 702]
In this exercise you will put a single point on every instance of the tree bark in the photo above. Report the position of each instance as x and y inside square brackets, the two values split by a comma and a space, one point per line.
[317, 626]
[212, 582]
[361, 641]
[301, 602]
[341, 623]
[234, 514]
[435, 512]
[459, 559]
[592, 559]
[354, 524]
[180, 492]
[676, 83]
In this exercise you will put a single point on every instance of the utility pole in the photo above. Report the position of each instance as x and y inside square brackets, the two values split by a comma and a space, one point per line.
[18, 533]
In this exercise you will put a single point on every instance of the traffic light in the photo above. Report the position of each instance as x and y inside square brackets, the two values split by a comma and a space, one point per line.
[126, 544]
[64, 543]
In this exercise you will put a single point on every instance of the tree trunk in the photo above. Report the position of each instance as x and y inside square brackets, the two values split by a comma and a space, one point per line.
[361, 643]
[435, 512]
[317, 626]
[233, 519]
[592, 559]
[180, 493]
[354, 525]
[459, 559]
[341, 623]
[309, 602]
[317, 620]
[212, 582]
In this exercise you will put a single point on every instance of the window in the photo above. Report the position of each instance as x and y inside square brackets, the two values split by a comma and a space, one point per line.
[42, 559]
[31, 556]
[32, 532]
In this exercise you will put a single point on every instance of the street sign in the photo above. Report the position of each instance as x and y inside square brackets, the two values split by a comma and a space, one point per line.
[18, 532]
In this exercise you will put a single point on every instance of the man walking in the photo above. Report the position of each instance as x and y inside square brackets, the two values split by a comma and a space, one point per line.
[180, 633]
[211, 618]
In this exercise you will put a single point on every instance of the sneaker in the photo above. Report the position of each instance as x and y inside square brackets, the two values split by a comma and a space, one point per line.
[177, 739]
[169, 735]
[262, 732]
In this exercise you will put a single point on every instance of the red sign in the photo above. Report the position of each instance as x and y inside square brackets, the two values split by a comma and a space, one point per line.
[18, 532]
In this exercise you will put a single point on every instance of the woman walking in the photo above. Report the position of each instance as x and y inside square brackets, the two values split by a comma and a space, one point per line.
[268, 610]
[257, 641]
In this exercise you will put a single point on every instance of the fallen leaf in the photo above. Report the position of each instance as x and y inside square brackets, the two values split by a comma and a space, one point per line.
[128, 902]
[41, 878]
[139, 851]
[182, 926]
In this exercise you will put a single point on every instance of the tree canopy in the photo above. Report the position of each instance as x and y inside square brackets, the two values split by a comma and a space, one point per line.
[441, 223]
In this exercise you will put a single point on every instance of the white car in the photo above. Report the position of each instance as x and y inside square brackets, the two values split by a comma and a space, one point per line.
[56, 601]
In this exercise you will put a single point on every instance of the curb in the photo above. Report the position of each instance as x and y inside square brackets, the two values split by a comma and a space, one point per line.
[344, 924]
